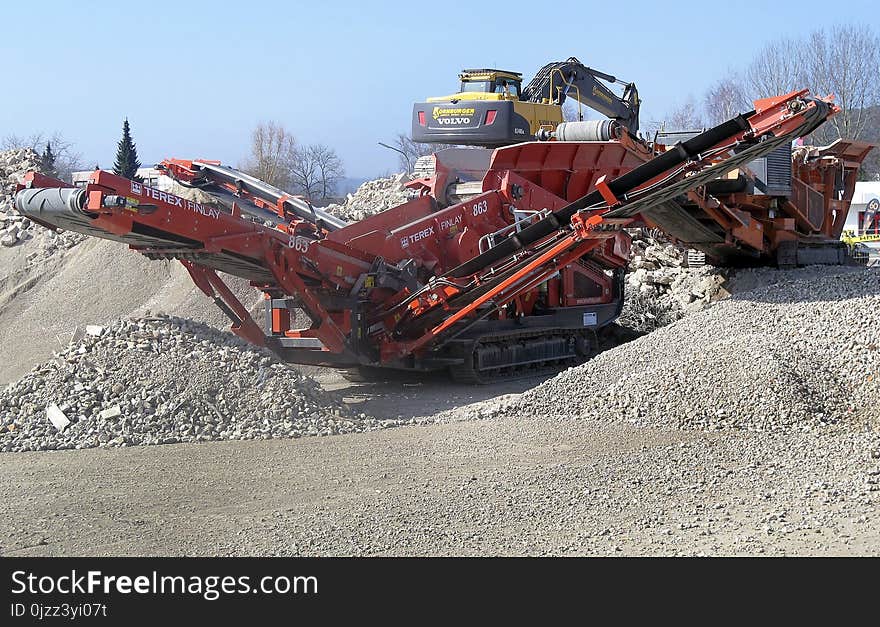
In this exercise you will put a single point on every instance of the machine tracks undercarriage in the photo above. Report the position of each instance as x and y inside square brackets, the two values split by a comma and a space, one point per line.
[532, 352]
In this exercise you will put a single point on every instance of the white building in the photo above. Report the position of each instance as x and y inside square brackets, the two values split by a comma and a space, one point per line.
[150, 176]
[864, 193]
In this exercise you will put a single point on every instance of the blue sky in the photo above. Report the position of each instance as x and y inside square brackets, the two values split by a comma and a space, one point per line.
[195, 77]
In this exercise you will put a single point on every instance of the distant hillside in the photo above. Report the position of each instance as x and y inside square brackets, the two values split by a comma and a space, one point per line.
[349, 185]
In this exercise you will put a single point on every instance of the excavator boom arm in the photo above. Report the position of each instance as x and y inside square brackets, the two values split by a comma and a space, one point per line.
[559, 80]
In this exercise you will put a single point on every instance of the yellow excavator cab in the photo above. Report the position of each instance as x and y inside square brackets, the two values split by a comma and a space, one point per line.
[485, 84]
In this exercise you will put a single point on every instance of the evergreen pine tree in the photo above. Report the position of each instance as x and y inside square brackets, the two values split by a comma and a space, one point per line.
[48, 161]
[126, 163]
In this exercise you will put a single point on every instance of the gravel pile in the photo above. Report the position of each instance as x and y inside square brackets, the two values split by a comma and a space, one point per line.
[14, 164]
[793, 356]
[661, 289]
[16, 229]
[373, 197]
[161, 380]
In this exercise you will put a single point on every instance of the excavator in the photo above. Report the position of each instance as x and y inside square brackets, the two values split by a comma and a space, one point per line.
[493, 109]
[517, 274]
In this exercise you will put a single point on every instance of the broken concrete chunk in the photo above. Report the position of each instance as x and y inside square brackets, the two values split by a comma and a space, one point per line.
[110, 412]
[57, 417]
[373, 197]
[94, 330]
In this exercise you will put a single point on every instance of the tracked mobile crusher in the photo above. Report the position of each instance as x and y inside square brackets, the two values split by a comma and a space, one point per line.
[507, 261]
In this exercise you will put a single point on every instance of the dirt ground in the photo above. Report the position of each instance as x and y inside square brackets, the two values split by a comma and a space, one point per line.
[499, 486]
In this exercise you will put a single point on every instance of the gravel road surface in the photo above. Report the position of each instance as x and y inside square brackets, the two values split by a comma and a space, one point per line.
[489, 487]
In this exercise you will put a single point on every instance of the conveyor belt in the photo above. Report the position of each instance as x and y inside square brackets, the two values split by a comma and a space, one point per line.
[61, 207]
[666, 162]
[678, 223]
[301, 208]
[222, 261]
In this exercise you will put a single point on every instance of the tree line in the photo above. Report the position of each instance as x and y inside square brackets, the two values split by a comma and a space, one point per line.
[314, 171]
[843, 60]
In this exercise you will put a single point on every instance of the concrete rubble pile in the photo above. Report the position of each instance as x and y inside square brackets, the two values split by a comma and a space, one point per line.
[16, 229]
[373, 197]
[162, 380]
[795, 356]
[661, 289]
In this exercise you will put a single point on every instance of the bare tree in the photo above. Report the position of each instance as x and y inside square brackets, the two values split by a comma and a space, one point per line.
[316, 171]
[305, 175]
[412, 150]
[779, 68]
[726, 99]
[330, 168]
[273, 152]
[313, 171]
[685, 117]
[67, 159]
[845, 62]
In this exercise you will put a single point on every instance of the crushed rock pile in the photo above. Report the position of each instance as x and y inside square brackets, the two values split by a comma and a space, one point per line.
[792, 356]
[373, 197]
[14, 164]
[16, 229]
[661, 289]
[162, 380]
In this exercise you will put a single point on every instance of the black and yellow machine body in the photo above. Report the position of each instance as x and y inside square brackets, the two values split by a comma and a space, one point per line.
[488, 111]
